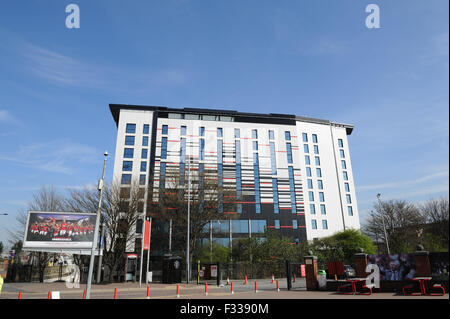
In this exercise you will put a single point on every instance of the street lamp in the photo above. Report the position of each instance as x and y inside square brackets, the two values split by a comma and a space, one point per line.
[188, 222]
[384, 226]
[97, 222]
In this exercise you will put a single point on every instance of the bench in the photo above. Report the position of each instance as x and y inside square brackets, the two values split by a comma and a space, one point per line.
[411, 290]
[343, 289]
[366, 289]
[437, 290]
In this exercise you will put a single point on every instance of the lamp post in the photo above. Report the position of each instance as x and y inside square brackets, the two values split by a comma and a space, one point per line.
[97, 222]
[188, 222]
[384, 226]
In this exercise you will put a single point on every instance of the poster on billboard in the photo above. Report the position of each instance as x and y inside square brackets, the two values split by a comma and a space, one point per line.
[395, 267]
[59, 231]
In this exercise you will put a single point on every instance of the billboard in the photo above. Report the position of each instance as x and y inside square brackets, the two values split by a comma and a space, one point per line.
[394, 267]
[59, 231]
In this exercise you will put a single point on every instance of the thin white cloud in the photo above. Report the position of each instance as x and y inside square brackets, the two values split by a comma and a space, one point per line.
[7, 118]
[408, 183]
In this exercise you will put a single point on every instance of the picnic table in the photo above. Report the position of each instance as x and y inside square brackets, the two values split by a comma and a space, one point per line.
[352, 282]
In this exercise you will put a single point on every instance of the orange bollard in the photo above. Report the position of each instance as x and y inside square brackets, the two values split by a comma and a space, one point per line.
[115, 293]
[49, 295]
[278, 286]
[256, 287]
[228, 281]
[294, 278]
[148, 292]
[206, 289]
[245, 281]
[232, 290]
[20, 295]
[178, 291]
[273, 279]
[84, 294]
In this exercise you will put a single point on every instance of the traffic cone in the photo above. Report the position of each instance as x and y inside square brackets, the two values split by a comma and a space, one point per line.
[245, 281]
[178, 291]
[20, 295]
[206, 289]
[148, 292]
[49, 295]
[273, 279]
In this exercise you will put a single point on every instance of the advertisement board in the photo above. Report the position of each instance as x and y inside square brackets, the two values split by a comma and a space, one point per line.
[59, 231]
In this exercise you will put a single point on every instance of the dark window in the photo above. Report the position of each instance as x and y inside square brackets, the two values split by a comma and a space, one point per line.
[131, 128]
[146, 129]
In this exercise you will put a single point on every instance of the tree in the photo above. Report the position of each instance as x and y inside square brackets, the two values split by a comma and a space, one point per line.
[219, 253]
[207, 198]
[436, 214]
[341, 246]
[402, 220]
[1, 247]
[121, 208]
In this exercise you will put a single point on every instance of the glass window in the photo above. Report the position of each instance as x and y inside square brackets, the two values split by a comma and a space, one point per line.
[306, 148]
[289, 153]
[143, 166]
[321, 197]
[257, 186]
[347, 187]
[277, 224]
[313, 224]
[314, 138]
[201, 131]
[318, 172]
[310, 184]
[165, 129]
[127, 166]
[349, 199]
[344, 166]
[144, 153]
[294, 224]
[350, 210]
[255, 134]
[126, 179]
[317, 160]
[316, 149]
[142, 179]
[208, 117]
[340, 143]
[323, 210]
[202, 149]
[308, 171]
[276, 206]
[271, 135]
[176, 116]
[312, 208]
[237, 133]
[320, 184]
[307, 160]
[305, 137]
[146, 129]
[164, 148]
[341, 152]
[192, 116]
[145, 141]
[324, 224]
[345, 176]
[183, 130]
[287, 135]
[240, 226]
[129, 140]
[255, 145]
[311, 196]
[131, 128]
[226, 119]
[219, 132]
[273, 158]
[292, 189]
[128, 153]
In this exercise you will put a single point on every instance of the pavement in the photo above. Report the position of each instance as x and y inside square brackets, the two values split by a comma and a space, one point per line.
[265, 290]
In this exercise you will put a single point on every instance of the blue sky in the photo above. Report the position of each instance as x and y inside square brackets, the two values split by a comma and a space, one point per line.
[313, 58]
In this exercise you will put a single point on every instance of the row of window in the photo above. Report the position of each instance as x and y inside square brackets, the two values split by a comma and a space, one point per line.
[314, 224]
[131, 128]
[345, 175]
[237, 226]
[126, 179]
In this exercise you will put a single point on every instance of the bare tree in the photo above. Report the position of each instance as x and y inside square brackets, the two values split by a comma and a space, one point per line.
[122, 206]
[402, 221]
[436, 214]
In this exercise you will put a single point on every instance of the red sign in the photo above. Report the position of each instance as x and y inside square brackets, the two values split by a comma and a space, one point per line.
[302, 271]
[147, 235]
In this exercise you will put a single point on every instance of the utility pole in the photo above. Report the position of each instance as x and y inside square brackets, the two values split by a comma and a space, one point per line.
[384, 226]
[188, 222]
[97, 222]
[102, 240]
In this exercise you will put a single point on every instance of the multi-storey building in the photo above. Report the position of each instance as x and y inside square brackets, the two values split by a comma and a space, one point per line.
[292, 173]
